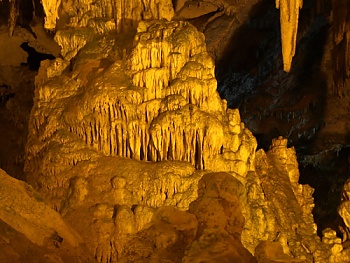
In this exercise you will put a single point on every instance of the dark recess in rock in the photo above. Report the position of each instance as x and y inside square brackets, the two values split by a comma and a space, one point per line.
[34, 57]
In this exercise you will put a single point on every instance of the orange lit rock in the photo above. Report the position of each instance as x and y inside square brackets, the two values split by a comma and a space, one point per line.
[24, 209]
[160, 105]
[289, 18]
[119, 15]
[272, 252]
[131, 143]
[28, 225]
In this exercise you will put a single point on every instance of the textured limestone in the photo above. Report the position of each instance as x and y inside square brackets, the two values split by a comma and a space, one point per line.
[260, 223]
[132, 144]
[193, 9]
[116, 15]
[271, 252]
[220, 221]
[17, 248]
[338, 253]
[160, 105]
[289, 18]
[130, 110]
[344, 208]
[71, 41]
[23, 209]
[169, 231]
[294, 227]
[216, 245]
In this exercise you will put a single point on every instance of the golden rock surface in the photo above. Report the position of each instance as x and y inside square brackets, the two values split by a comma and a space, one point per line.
[26, 218]
[289, 18]
[123, 14]
[130, 142]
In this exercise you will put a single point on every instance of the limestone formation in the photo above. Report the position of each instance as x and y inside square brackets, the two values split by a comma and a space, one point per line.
[344, 210]
[151, 108]
[131, 144]
[159, 106]
[193, 9]
[22, 209]
[289, 18]
[122, 15]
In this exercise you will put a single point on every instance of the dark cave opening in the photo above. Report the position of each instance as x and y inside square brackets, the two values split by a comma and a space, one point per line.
[34, 57]
[327, 173]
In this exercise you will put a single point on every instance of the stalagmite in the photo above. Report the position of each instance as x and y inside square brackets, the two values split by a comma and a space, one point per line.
[289, 18]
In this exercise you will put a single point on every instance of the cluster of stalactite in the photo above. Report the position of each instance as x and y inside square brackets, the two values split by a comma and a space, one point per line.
[125, 13]
[141, 109]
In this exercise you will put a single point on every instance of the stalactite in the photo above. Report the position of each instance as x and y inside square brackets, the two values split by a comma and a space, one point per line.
[13, 16]
[51, 13]
[289, 18]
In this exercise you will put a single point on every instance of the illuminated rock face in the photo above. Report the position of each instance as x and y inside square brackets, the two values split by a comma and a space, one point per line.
[122, 14]
[160, 105]
[111, 133]
[29, 224]
[24, 209]
[132, 144]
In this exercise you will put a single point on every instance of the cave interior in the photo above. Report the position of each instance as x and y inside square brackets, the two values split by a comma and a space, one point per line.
[309, 105]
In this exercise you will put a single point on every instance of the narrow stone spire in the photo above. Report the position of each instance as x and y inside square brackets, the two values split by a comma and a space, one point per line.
[289, 16]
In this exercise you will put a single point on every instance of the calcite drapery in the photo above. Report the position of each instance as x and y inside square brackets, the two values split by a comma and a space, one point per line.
[51, 9]
[289, 18]
[160, 105]
[123, 14]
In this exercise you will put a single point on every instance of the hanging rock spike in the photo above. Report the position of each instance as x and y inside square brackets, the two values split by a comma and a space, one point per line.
[289, 17]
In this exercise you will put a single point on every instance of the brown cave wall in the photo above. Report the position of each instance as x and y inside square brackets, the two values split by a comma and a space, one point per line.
[25, 12]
